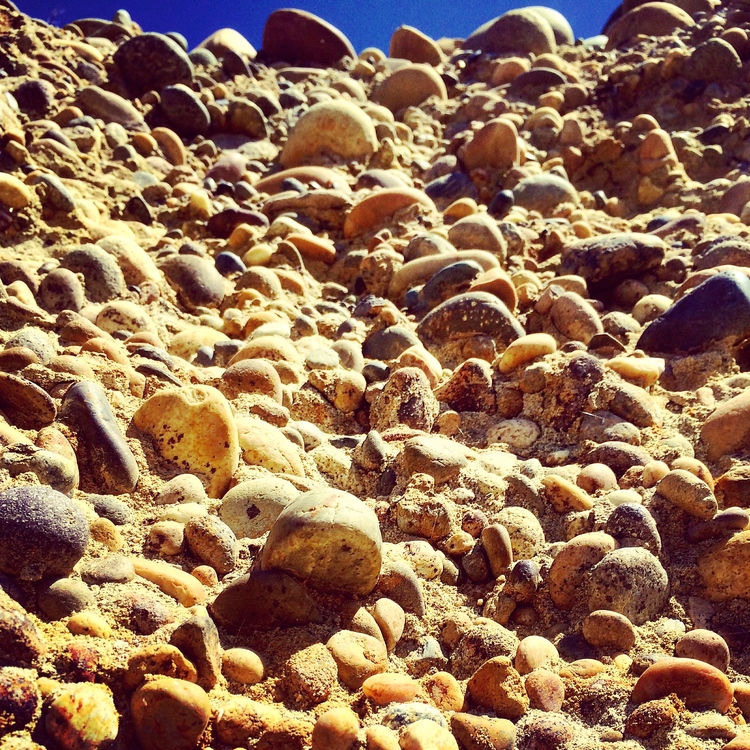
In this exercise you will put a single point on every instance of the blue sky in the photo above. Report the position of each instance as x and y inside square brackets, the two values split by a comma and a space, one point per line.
[367, 23]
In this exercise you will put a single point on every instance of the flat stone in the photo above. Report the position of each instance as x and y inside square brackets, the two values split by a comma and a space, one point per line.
[379, 208]
[193, 427]
[110, 107]
[26, 404]
[224, 40]
[435, 456]
[152, 61]
[497, 685]
[107, 464]
[328, 538]
[704, 645]
[299, 37]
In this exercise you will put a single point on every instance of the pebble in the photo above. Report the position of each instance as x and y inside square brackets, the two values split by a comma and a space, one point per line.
[535, 652]
[82, 716]
[519, 31]
[409, 86]
[13, 192]
[19, 698]
[310, 675]
[390, 687]
[544, 193]
[658, 20]
[193, 428]
[704, 645]
[172, 581]
[498, 686]
[607, 629]
[424, 734]
[195, 279]
[213, 543]
[545, 689]
[169, 713]
[329, 538]
[721, 568]
[185, 112]
[26, 404]
[242, 665]
[336, 729]
[198, 639]
[358, 656]
[700, 685]
[483, 732]
[107, 462]
[103, 279]
[688, 492]
[379, 208]
[152, 61]
[63, 597]
[250, 508]
[409, 43]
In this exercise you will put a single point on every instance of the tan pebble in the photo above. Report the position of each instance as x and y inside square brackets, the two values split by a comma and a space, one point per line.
[169, 714]
[565, 496]
[545, 689]
[495, 146]
[524, 350]
[194, 428]
[171, 145]
[582, 668]
[172, 581]
[426, 734]
[653, 473]
[339, 126]
[605, 629]
[643, 371]
[526, 533]
[241, 719]
[688, 492]
[225, 40]
[483, 732]
[700, 685]
[443, 691]
[497, 685]
[89, 623]
[575, 318]
[158, 659]
[166, 537]
[336, 729]
[104, 531]
[497, 547]
[411, 44]
[742, 697]
[496, 281]
[13, 192]
[391, 620]
[650, 307]
[111, 349]
[313, 248]
[651, 716]
[82, 716]
[310, 675]
[694, 466]
[618, 497]
[571, 564]
[418, 356]
[184, 488]
[182, 512]
[409, 86]
[461, 208]
[535, 652]
[390, 687]
[518, 434]
[379, 207]
[728, 427]
[378, 737]
[704, 645]
[596, 477]
[653, 19]
[242, 665]
[358, 656]
[206, 575]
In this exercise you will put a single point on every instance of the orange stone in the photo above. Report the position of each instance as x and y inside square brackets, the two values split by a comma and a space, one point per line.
[378, 208]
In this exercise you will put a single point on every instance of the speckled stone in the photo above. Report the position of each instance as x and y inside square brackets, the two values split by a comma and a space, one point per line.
[82, 716]
[152, 61]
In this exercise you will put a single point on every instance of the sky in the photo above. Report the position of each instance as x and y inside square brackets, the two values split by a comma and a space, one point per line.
[367, 23]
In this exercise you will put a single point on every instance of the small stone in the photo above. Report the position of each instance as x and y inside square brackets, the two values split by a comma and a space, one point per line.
[606, 629]
[444, 691]
[152, 61]
[725, 431]
[565, 496]
[535, 652]
[409, 86]
[379, 208]
[336, 729]
[251, 508]
[700, 685]
[544, 193]
[653, 19]
[198, 639]
[109, 569]
[402, 715]
[19, 698]
[483, 732]
[497, 685]
[242, 665]
[42, 532]
[103, 278]
[435, 456]
[194, 428]
[110, 107]
[310, 675]
[299, 37]
[13, 192]
[60, 290]
[195, 279]
[411, 44]
[358, 656]
[399, 582]
[82, 716]
[651, 716]
[391, 620]
[107, 463]
[26, 404]
[545, 689]
[548, 733]
[575, 318]
[390, 687]
[688, 492]
[172, 581]
[184, 488]
[340, 127]
[723, 567]
[469, 388]
[633, 526]
[213, 543]
[630, 581]
[185, 112]
[64, 597]
[161, 659]
[241, 720]
[169, 714]
[112, 508]
[704, 645]
[89, 623]
[521, 31]
[425, 734]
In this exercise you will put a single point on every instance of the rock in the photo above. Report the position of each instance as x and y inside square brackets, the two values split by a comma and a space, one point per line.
[21, 643]
[483, 732]
[330, 539]
[480, 643]
[106, 459]
[575, 318]
[26, 404]
[263, 444]
[198, 639]
[408, 43]
[172, 581]
[110, 107]
[13, 192]
[478, 232]
[521, 31]
[194, 428]
[704, 645]
[409, 86]
[224, 40]
[495, 145]
[724, 431]
[358, 656]
[196, 281]
[103, 278]
[435, 456]
[721, 568]
[560, 25]
[545, 689]
[379, 208]
[251, 508]
[43, 532]
[299, 37]
[424, 734]
[19, 698]
[630, 581]
[604, 261]
[82, 716]
[63, 597]
[310, 675]
[688, 492]
[185, 112]
[213, 543]
[60, 290]
[335, 729]
[525, 531]
[242, 665]
[169, 714]
[712, 61]
[497, 685]
[152, 61]
[263, 600]
[406, 399]
[390, 687]
[606, 629]
[544, 193]
[700, 685]
[652, 19]
[716, 309]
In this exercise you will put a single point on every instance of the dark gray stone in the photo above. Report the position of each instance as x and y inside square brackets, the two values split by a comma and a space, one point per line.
[195, 279]
[152, 61]
[186, 113]
[103, 278]
[389, 343]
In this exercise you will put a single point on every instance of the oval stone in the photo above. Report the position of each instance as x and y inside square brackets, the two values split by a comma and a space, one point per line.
[518, 31]
[152, 61]
[409, 87]
[328, 538]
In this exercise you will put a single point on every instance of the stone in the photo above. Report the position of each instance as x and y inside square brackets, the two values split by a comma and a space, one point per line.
[262, 600]
[13, 192]
[495, 145]
[630, 581]
[60, 290]
[483, 732]
[82, 716]
[242, 665]
[390, 687]
[358, 656]
[712, 61]
[478, 644]
[521, 31]
[425, 734]
[380, 207]
[335, 729]
[408, 43]
[172, 581]
[724, 431]
[19, 698]
[152, 61]
[63, 597]
[653, 19]
[195, 279]
[198, 639]
[435, 456]
[310, 675]
[545, 689]
[714, 310]
[409, 86]
[299, 37]
[157, 659]
[251, 507]
[103, 278]
[722, 568]
[704, 645]
[43, 532]
[265, 445]
[110, 107]
[184, 111]
[478, 232]
[689, 493]
[224, 40]
[575, 318]
[407, 399]
[700, 685]
[544, 193]
[213, 543]
[169, 714]
[193, 427]
[25, 403]
[497, 685]
[330, 539]
[606, 629]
